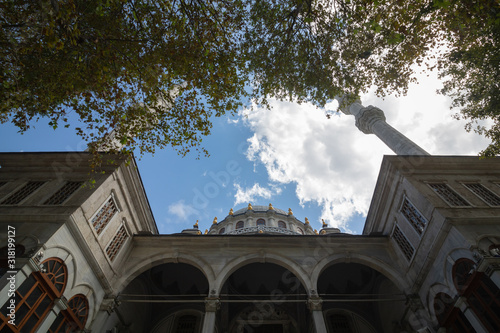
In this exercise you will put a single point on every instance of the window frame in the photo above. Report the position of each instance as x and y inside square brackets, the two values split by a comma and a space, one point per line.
[419, 232]
[407, 240]
[48, 289]
[452, 190]
[118, 210]
[69, 317]
[19, 189]
[127, 236]
[284, 223]
[73, 191]
[484, 188]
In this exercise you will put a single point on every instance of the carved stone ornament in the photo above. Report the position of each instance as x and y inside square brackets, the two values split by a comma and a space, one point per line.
[367, 117]
[212, 304]
[414, 302]
[314, 303]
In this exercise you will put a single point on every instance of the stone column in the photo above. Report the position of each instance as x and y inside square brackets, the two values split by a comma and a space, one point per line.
[315, 305]
[212, 304]
[371, 120]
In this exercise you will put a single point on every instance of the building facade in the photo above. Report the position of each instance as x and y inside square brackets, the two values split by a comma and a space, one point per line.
[88, 257]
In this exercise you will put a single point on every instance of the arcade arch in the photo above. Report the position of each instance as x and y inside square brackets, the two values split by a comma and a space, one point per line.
[365, 294]
[166, 295]
[263, 297]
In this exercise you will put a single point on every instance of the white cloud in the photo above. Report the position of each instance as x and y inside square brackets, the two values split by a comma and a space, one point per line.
[181, 210]
[250, 194]
[335, 165]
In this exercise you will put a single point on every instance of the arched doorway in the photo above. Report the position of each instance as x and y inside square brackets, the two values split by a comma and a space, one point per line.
[355, 295]
[263, 298]
[167, 298]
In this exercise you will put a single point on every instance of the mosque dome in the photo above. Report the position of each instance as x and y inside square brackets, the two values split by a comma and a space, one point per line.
[261, 220]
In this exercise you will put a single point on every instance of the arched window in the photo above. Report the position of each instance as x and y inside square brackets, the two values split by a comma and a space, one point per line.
[300, 231]
[221, 231]
[449, 316]
[240, 224]
[261, 222]
[72, 319]
[35, 297]
[281, 224]
[481, 293]
[463, 271]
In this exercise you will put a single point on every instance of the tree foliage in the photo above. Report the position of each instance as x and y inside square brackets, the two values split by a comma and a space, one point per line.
[115, 62]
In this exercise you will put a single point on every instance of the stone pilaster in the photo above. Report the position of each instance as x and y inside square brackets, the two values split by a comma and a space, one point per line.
[315, 305]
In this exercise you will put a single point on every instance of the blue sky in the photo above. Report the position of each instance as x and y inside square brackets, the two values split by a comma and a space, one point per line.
[291, 156]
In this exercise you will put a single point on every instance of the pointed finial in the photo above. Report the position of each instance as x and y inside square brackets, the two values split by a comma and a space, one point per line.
[206, 231]
[271, 207]
[324, 223]
[196, 225]
[231, 212]
[250, 206]
[215, 220]
[315, 231]
[261, 231]
[199, 232]
[290, 211]
[307, 221]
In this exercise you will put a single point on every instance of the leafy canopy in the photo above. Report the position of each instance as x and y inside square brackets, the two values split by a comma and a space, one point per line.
[115, 63]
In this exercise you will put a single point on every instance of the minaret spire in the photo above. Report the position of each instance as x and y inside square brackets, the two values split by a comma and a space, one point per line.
[371, 120]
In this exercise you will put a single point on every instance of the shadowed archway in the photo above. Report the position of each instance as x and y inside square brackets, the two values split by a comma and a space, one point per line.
[354, 295]
[263, 298]
[164, 297]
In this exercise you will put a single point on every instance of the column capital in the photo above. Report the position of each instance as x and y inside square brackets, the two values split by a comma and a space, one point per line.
[315, 303]
[212, 304]
[414, 302]
[368, 116]
[108, 304]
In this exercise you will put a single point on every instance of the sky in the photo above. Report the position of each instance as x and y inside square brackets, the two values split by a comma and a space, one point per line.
[291, 156]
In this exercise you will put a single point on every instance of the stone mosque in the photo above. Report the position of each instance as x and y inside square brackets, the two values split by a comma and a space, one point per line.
[90, 258]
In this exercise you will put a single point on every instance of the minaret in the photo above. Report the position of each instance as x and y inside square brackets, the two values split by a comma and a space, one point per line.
[371, 120]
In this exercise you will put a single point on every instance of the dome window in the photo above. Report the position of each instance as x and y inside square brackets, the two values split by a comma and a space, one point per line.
[281, 224]
[221, 231]
[261, 222]
[240, 224]
[300, 231]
